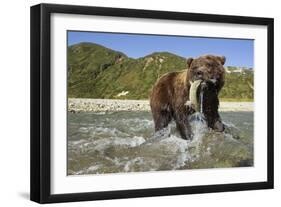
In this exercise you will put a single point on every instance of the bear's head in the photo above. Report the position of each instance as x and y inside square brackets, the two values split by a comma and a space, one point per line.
[207, 68]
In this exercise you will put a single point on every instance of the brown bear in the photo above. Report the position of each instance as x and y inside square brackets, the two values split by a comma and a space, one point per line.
[170, 95]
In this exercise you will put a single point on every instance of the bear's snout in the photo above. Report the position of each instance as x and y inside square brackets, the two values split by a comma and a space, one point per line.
[199, 75]
[214, 80]
[208, 80]
[209, 84]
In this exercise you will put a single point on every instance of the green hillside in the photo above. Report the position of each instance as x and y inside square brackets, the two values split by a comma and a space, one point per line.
[95, 71]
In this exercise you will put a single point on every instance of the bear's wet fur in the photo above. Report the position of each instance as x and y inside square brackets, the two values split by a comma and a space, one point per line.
[170, 94]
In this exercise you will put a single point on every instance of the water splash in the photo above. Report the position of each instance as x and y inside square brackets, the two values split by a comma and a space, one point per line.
[198, 124]
[201, 102]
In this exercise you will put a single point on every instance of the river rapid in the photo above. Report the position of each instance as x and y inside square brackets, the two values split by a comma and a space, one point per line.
[125, 141]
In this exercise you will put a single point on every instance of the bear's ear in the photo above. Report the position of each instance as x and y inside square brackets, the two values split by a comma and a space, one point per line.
[188, 62]
[221, 59]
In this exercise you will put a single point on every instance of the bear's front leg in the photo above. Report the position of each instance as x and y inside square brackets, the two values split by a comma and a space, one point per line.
[184, 130]
[181, 118]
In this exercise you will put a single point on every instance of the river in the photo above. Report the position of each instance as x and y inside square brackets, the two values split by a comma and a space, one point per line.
[118, 142]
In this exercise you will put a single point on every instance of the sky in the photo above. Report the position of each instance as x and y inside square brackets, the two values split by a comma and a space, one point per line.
[238, 52]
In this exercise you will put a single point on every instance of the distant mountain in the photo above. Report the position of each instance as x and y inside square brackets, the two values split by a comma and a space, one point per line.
[95, 71]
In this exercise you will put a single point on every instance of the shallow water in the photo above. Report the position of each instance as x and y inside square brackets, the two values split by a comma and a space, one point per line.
[115, 142]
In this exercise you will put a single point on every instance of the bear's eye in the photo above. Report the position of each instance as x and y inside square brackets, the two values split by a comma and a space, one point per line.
[199, 72]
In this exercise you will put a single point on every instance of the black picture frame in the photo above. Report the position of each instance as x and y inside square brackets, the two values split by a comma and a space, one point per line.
[41, 98]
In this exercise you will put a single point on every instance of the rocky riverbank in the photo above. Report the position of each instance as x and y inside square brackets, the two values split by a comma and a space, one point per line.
[100, 105]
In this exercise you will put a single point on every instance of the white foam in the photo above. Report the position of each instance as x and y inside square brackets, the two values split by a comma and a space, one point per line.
[113, 132]
[179, 147]
[137, 123]
[93, 168]
[128, 165]
[131, 142]
[102, 144]
[78, 142]
[83, 130]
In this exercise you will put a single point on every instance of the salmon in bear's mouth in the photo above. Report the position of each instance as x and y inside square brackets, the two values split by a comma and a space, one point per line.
[203, 98]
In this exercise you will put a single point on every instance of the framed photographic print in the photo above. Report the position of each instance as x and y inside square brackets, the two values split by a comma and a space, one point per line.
[133, 103]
